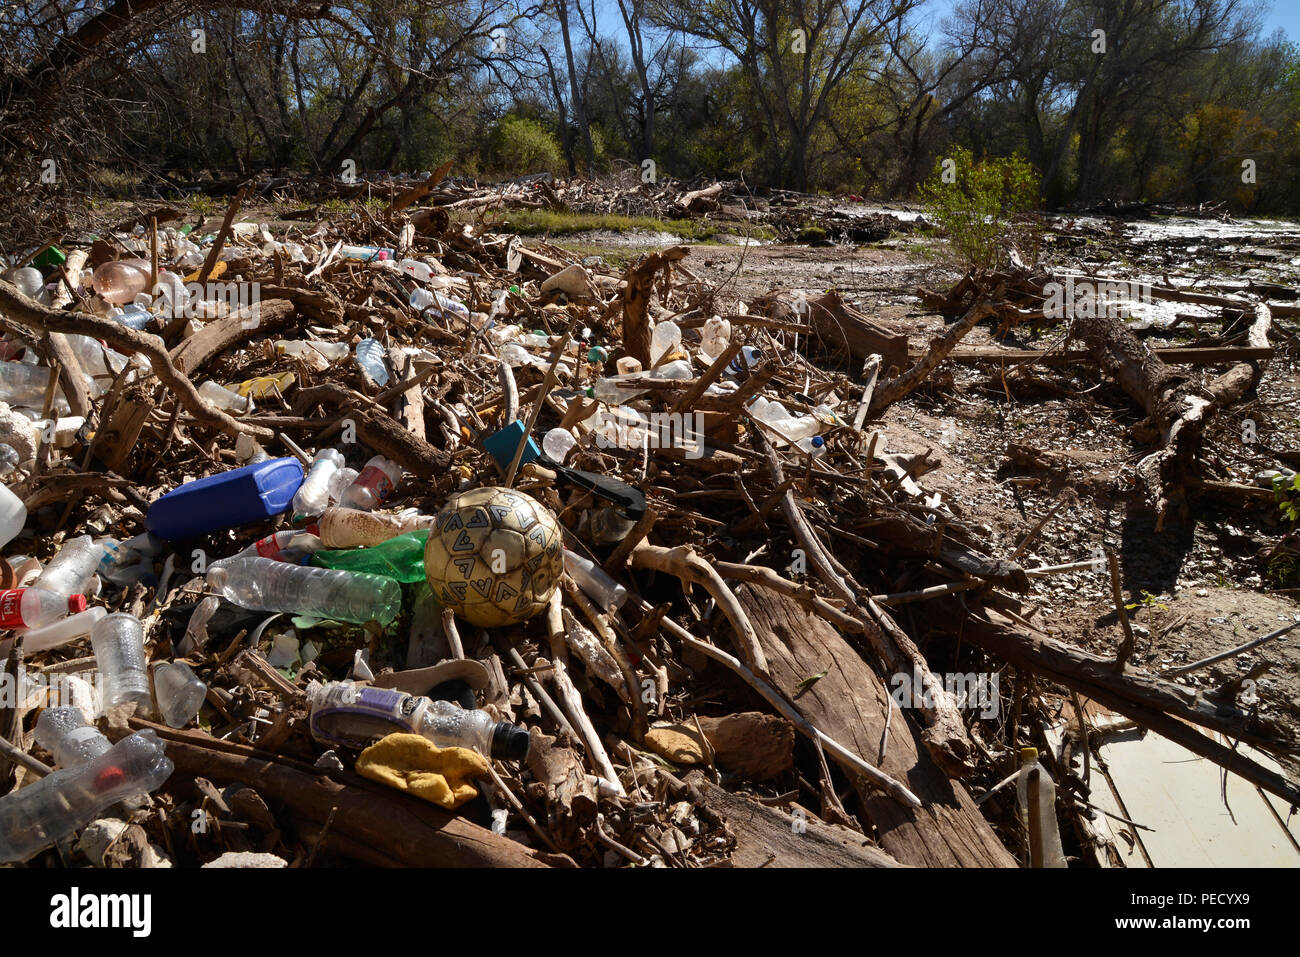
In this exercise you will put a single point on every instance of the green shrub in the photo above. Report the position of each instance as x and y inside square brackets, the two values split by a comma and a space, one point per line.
[982, 207]
[525, 146]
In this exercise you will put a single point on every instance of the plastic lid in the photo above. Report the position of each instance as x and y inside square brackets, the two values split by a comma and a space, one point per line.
[76, 604]
[510, 743]
[1028, 754]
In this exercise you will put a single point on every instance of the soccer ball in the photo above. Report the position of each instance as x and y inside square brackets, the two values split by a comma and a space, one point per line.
[494, 556]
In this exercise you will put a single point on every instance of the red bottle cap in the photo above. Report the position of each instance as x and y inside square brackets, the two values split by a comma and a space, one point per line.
[76, 603]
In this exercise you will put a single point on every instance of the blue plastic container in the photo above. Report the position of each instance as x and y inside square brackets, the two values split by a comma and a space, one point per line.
[254, 493]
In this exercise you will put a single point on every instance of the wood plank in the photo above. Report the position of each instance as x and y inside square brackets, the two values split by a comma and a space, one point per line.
[851, 705]
[767, 837]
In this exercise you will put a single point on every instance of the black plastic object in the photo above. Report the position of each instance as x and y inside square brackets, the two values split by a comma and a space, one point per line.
[510, 743]
[455, 690]
[611, 489]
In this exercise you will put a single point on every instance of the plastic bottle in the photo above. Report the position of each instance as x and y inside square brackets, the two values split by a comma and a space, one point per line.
[557, 444]
[220, 397]
[253, 493]
[293, 545]
[366, 253]
[370, 356]
[373, 486]
[745, 360]
[664, 341]
[71, 570]
[353, 528]
[28, 280]
[591, 578]
[9, 460]
[814, 445]
[61, 631]
[716, 336]
[64, 733]
[13, 515]
[419, 271]
[120, 281]
[118, 641]
[306, 349]
[340, 481]
[436, 305]
[313, 495]
[35, 817]
[180, 693]
[401, 558]
[267, 585]
[23, 384]
[33, 608]
[264, 386]
[352, 716]
[131, 316]
[1052, 855]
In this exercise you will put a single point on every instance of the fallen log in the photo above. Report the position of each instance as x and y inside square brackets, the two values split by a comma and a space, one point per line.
[852, 705]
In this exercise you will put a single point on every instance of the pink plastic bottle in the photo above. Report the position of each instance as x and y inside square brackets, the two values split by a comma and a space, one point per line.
[120, 281]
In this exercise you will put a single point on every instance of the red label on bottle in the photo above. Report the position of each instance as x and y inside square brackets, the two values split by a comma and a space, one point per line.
[11, 603]
[268, 547]
[375, 479]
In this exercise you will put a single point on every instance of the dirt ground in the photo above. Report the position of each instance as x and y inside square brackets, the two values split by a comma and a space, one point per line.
[1197, 587]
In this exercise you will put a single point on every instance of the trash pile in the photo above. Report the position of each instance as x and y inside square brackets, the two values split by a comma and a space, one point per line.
[592, 563]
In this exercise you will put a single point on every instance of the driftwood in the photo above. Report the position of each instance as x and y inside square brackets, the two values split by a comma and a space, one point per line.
[890, 392]
[636, 300]
[851, 703]
[406, 830]
[766, 837]
[1179, 411]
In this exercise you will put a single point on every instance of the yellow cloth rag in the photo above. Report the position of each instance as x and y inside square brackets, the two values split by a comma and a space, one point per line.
[412, 763]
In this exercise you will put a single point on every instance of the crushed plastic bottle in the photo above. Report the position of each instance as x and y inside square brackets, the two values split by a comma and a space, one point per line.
[24, 385]
[433, 304]
[349, 715]
[373, 486]
[61, 631]
[71, 570]
[180, 693]
[35, 817]
[665, 340]
[13, 514]
[352, 528]
[340, 481]
[292, 545]
[370, 356]
[401, 558]
[420, 272]
[313, 495]
[266, 585]
[118, 641]
[593, 581]
[27, 280]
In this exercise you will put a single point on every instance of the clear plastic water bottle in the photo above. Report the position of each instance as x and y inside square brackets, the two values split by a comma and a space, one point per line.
[23, 384]
[180, 693]
[813, 445]
[436, 305]
[420, 272]
[62, 630]
[13, 514]
[665, 340]
[121, 280]
[313, 496]
[131, 315]
[71, 570]
[35, 817]
[325, 593]
[219, 396]
[28, 280]
[340, 481]
[33, 608]
[118, 642]
[350, 715]
[1052, 854]
[9, 460]
[370, 356]
[65, 734]
[373, 485]
[745, 360]
[594, 582]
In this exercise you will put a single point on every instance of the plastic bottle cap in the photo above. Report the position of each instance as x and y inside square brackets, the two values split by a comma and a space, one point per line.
[76, 604]
[818, 441]
[510, 743]
[1028, 754]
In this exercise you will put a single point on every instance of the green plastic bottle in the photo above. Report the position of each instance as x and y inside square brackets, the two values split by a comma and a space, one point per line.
[400, 558]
